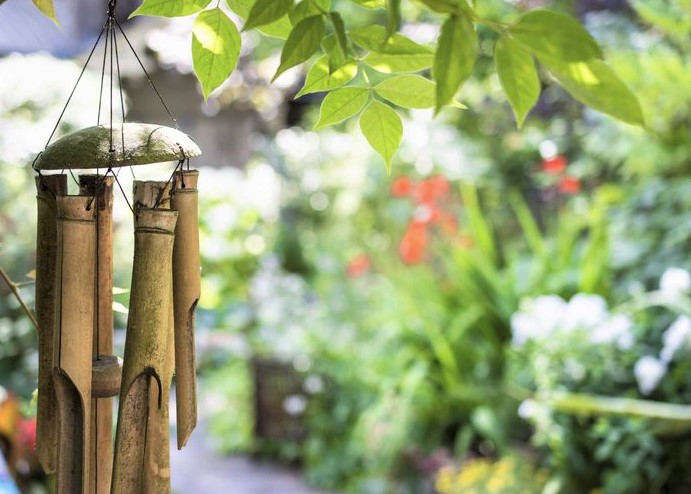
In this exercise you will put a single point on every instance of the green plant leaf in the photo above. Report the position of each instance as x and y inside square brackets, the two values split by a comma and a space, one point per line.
[555, 36]
[266, 11]
[393, 18]
[341, 104]
[595, 84]
[371, 4]
[375, 38]
[383, 129]
[446, 6]
[303, 41]
[391, 63]
[455, 57]
[215, 48]
[320, 79]
[518, 77]
[407, 91]
[170, 8]
[277, 29]
[308, 8]
[47, 8]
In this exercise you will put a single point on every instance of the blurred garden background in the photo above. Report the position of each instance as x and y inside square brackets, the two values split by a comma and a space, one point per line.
[508, 311]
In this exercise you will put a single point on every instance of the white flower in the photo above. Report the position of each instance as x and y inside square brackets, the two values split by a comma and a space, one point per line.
[678, 334]
[584, 311]
[538, 318]
[616, 329]
[675, 281]
[649, 371]
[527, 409]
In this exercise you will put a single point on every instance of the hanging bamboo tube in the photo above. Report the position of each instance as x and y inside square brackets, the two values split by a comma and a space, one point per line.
[74, 322]
[101, 453]
[47, 190]
[186, 292]
[142, 449]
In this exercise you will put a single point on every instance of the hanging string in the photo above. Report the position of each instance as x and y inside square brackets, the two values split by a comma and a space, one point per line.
[107, 27]
[146, 73]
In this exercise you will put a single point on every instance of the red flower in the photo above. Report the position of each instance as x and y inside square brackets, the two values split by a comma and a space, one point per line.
[414, 243]
[555, 165]
[570, 185]
[358, 266]
[402, 187]
[27, 433]
[432, 189]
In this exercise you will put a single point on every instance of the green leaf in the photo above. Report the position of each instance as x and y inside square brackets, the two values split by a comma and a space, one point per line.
[555, 36]
[595, 84]
[375, 38]
[407, 91]
[320, 79]
[341, 104]
[339, 55]
[277, 29]
[371, 4]
[384, 62]
[393, 18]
[308, 8]
[266, 11]
[215, 48]
[46, 7]
[445, 6]
[383, 129]
[455, 57]
[302, 42]
[170, 8]
[518, 77]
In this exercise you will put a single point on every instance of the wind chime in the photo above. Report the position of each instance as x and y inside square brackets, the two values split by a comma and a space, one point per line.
[78, 373]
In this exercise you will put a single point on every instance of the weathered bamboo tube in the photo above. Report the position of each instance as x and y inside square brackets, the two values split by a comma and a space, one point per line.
[74, 323]
[186, 292]
[142, 450]
[47, 189]
[102, 408]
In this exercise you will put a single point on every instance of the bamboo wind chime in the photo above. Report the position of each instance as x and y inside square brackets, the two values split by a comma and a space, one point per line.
[78, 373]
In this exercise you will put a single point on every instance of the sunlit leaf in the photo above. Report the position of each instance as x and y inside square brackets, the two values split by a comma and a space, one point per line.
[308, 8]
[595, 84]
[319, 79]
[383, 129]
[170, 8]
[518, 77]
[215, 48]
[120, 308]
[46, 7]
[393, 18]
[341, 104]
[375, 38]
[303, 41]
[266, 11]
[555, 36]
[445, 6]
[277, 29]
[455, 57]
[407, 91]
[390, 63]
[371, 4]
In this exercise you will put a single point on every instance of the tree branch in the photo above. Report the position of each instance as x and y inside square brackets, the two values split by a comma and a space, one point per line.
[15, 291]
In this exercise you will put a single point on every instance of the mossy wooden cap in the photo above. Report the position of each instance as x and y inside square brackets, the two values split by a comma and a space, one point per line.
[132, 144]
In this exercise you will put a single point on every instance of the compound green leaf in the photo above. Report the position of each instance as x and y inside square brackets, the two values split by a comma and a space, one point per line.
[277, 29]
[383, 129]
[455, 57]
[215, 48]
[341, 104]
[371, 4]
[594, 83]
[266, 11]
[320, 79]
[407, 91]
[555, 36]
[303, 41]
[46, 7]
[391, 63]
[446, 6]
[170, 8]
[308, 8]
[518, 77]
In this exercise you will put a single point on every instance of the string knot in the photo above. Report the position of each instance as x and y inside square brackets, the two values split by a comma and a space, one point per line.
[111, 8]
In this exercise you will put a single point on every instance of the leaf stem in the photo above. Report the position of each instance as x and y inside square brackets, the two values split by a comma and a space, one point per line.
[15, 291]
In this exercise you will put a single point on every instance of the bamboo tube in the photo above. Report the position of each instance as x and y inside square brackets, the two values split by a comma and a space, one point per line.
[186, 292]
[74, 322]
[102, 408]
[47, 189]
[142, 451]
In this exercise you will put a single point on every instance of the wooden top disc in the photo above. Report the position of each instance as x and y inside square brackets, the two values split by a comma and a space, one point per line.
[143, 144]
